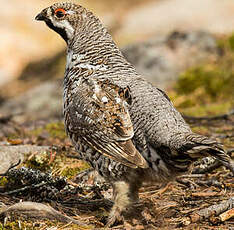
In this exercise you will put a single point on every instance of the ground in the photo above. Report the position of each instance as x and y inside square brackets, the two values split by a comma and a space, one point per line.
[49, 175]
[170, 206]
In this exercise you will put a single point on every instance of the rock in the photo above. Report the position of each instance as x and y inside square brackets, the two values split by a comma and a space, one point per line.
[43, 101]
[159, 59]
[162, 58]
[11, 155]
[35, 210]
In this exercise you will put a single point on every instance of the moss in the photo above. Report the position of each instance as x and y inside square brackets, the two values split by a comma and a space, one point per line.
[201, 130]
[36, 225]
[207, 109]
[216, 82]
[12, 136]
[36, 132]
[3, 181]
[56, 130]
[72, 172]
[39, 161]
[231, 42]
[208, 88]
[16, 225]
[69, 167]
[226, 43]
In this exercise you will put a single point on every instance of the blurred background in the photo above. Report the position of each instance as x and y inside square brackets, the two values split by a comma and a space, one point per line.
[183, 46]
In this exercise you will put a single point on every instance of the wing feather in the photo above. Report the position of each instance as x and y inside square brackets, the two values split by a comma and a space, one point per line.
[99, 115]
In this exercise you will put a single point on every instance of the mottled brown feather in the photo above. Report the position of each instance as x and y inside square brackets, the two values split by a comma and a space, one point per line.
[99, 115]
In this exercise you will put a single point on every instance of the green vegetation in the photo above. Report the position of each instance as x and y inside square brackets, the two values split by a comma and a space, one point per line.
[208, 88]
[215, 81]
[39, 161]
[70, 173]
[29, 225]
[56, 130]
[3, 182]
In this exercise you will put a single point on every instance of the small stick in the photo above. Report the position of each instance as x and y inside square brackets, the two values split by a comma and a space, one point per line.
[227, 215]
[212, 210]
[191, 176]
[225, 116]
[25, 188]
[205, 194]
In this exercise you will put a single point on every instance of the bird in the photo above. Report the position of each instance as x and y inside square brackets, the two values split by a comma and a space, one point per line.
[126, 128]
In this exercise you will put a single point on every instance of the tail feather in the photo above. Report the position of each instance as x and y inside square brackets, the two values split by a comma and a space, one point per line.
[201, 145]
[222, 156]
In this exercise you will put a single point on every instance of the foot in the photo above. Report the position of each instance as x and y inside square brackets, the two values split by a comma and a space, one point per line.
[114, 218]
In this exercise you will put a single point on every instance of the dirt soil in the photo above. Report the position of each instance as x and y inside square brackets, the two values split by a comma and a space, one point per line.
[180, 204]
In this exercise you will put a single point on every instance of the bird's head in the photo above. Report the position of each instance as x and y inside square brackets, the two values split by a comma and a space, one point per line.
[64, 18]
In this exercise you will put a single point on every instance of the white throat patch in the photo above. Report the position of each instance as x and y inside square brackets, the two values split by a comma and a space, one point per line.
[64, 24]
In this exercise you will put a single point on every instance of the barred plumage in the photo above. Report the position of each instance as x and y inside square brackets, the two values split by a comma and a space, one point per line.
[127, 129]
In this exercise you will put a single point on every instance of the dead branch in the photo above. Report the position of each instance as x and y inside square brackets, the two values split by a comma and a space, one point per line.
[187, 183]
[24, 189]
[205, 194]
[212, 210]
[87, 204]
[34, 210]
[191, 119]
[227, 215]
[191, 176]
[210, 182]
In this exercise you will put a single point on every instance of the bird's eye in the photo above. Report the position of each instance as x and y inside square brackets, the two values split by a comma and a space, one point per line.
[60, 13]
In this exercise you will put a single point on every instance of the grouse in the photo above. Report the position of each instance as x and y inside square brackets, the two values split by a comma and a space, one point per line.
[122, 125]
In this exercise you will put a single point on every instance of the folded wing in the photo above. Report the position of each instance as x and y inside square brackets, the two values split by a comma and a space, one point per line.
[99, 115]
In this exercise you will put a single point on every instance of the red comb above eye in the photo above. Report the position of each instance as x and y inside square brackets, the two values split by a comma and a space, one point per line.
[60, 10]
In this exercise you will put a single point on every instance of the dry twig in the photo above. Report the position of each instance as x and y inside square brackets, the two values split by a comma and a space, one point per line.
[212, 210]
[227, 215]
[191, 119]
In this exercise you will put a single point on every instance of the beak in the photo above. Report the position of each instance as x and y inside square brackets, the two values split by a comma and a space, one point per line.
[40, 17]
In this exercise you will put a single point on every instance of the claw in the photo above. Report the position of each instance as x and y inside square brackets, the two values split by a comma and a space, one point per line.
[114, 218]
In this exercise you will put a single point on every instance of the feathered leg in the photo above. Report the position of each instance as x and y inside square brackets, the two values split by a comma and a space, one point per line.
[124, 195]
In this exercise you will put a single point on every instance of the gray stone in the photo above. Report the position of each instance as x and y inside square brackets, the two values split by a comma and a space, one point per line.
[162, 58]
[11, 155]
[159, 59]
[41, 102]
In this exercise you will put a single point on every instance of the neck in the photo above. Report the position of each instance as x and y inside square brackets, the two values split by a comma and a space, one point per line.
[93, 49]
